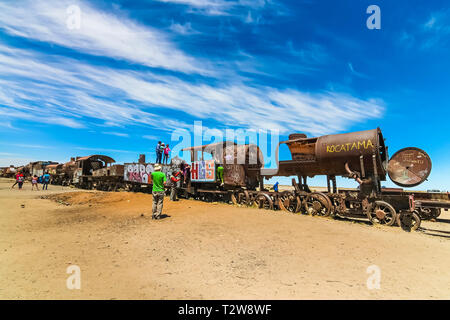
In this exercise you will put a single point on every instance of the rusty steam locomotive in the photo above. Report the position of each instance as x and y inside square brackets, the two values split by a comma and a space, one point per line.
[362, 156]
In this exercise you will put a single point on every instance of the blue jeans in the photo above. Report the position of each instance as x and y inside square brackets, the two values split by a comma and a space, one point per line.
[158, 157]
[165, 158]
[44, 185]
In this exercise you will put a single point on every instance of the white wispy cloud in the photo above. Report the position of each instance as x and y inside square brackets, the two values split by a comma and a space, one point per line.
[356, 73]
[21, 145]
[100, 149]
[212, 7]
[235, 102]
[436, 30]
[150, 137]
[224, 7]
[75, 93]
[100, 33]
[117, 134]
[183, 29]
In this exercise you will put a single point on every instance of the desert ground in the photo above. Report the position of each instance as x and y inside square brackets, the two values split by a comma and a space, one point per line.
[206, 251]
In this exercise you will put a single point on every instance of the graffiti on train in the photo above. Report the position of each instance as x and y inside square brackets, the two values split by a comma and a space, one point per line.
[204, 170]
[141, 172]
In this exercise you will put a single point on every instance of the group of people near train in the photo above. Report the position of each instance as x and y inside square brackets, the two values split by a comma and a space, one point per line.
[43, 179]
[159, 182]
[176, 179]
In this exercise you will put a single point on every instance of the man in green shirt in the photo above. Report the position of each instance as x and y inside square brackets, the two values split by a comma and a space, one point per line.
[158, 181]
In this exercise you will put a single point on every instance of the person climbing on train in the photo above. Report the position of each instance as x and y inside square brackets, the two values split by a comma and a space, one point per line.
[174, 179]
[220, 174]
[187, 173]
[158, 152]
[45, 180]
[158, 183]
[34, 183]
[166, 154]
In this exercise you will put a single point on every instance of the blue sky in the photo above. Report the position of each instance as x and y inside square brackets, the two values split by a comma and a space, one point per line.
[136, 70]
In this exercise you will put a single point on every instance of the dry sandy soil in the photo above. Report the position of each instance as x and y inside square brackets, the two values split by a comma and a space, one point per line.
[205, 251]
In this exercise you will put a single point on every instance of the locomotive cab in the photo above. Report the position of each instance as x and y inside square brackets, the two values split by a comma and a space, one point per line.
[86, 166]
[240, 163]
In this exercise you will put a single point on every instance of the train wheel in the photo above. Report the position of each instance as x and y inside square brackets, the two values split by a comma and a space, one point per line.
[328, 205]
[382, 213]
[250, 199]
[289, 202]
[409, 222]
[283, 200]
[238, 197]
[264, 201]
[234, 199]
[429, 213]
[317, 204]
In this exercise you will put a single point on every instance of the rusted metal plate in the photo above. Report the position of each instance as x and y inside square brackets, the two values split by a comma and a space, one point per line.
[94, 157]
[114, 170]
[409, 167]
[234, 174]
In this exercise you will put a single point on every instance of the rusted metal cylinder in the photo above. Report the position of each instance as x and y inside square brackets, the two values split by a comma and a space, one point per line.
[330, 154]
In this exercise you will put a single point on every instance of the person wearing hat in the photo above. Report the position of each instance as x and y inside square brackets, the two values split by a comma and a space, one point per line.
[158, 182]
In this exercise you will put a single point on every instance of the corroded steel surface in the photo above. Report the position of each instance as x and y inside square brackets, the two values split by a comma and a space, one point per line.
[330, 154]
[114, 170]
[409, 167]
[97, 157]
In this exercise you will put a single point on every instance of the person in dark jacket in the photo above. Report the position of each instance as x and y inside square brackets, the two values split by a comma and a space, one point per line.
[159, 152]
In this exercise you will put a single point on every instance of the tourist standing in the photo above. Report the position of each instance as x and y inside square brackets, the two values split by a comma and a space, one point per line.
[166, 154]
[19, 180]
[45, 180]
[158, 152]
[158, 182]
[34, 183]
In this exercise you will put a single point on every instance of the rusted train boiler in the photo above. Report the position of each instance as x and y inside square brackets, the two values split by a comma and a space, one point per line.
[361, 156]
